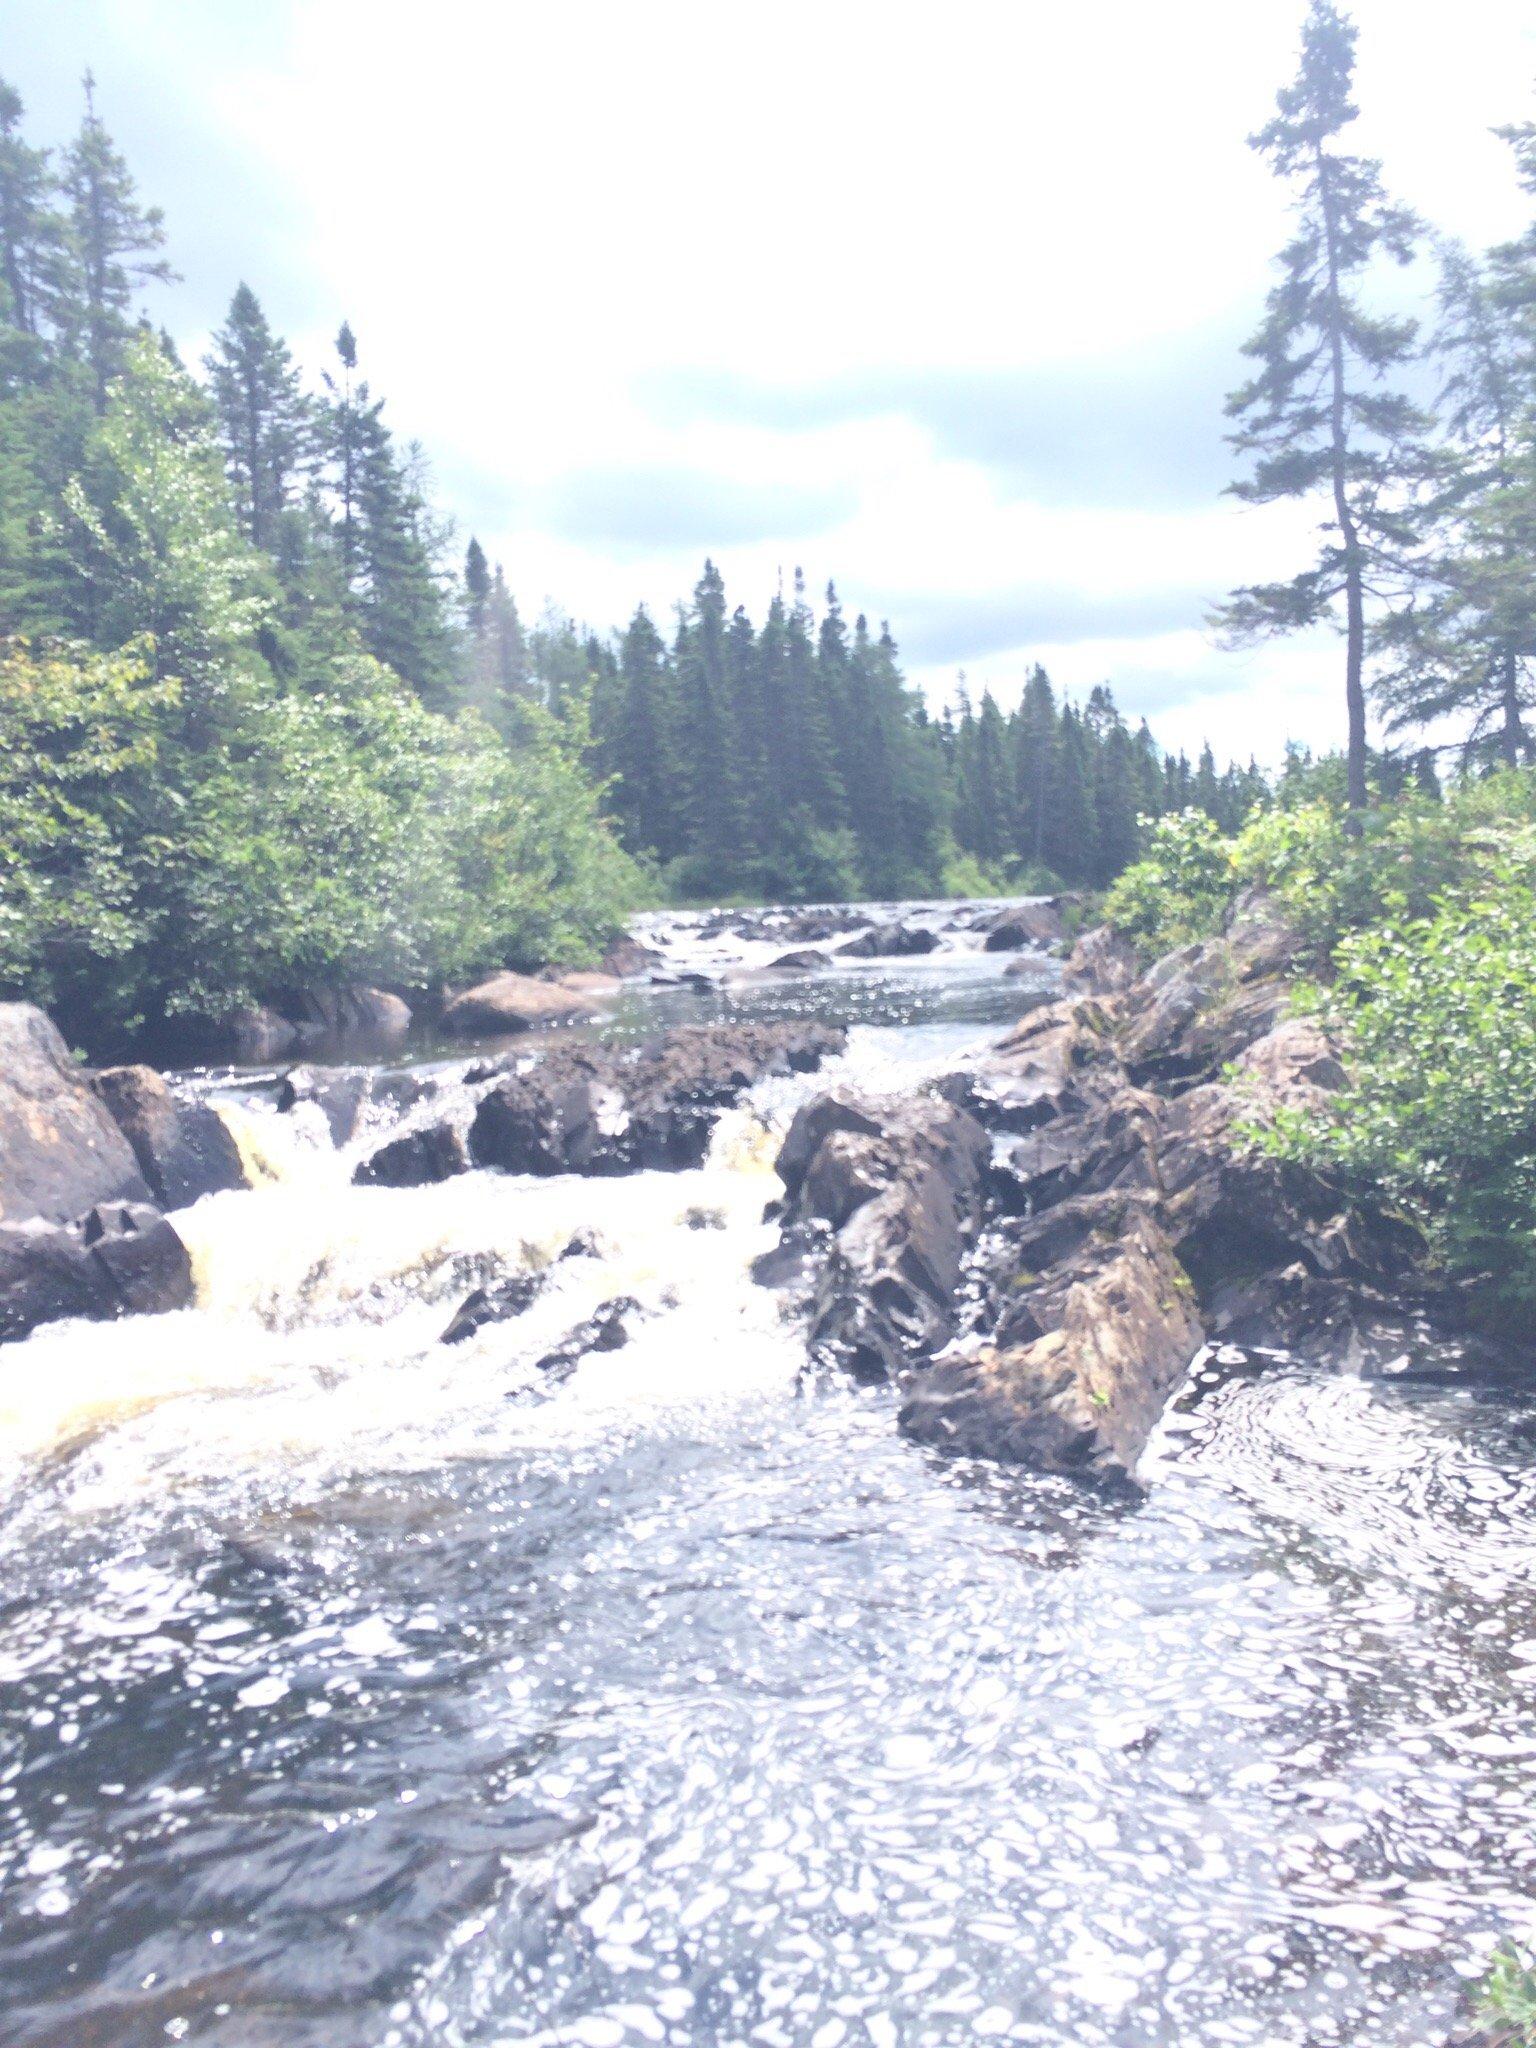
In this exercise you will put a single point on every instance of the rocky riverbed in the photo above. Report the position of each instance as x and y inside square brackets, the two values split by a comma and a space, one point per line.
[827, 1495]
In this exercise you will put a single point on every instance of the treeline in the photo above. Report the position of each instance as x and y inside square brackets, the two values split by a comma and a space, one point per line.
[794, 759]
[239, 749]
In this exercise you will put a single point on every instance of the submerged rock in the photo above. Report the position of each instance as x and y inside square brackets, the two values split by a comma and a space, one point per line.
[120, 1258]
[606, 1330]
[497, 1303]
[60, 1148]
[343, 1095]
[184, 1149]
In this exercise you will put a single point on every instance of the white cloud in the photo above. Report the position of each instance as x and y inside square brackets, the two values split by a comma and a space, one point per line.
[542, 220]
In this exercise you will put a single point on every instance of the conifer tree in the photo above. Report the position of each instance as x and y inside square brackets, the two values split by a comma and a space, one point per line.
[114, 246]
[1034, 766]
[33, 254]
[648, 742]
[264, 421]
[1316, 417]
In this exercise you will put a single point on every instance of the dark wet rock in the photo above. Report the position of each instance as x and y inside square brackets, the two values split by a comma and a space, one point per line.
[344, 1095]
[60, 1148]
[890, 942]
[587, 1109]
[416, 1158]
[1099, 1344]
[897, 1186]
[120, 1258]
[627, 957]
[513, 1002]
[606, 1330]
[1101, 963]
[497, 1303]
[804, 961]
[684, 977]
[1032, 925]
[583, 1245]
[184, 1149]
[699, 1218]
[1058, 1059]
[1112, 1144]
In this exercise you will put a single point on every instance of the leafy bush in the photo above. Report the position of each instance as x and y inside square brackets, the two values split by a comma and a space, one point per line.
[1437, 1017]
[1180, 888]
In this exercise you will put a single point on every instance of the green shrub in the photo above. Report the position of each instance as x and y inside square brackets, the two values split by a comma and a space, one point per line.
[1437, 1019]
[1180, 888]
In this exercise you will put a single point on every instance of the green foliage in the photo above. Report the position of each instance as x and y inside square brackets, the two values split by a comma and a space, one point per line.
[1437, 1016]
[1179, 890]
[1506, 2004]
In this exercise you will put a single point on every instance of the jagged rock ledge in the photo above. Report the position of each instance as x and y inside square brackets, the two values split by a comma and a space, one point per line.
[1034, 1251]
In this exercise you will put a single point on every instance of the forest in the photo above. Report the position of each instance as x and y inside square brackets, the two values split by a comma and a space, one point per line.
[266, 725]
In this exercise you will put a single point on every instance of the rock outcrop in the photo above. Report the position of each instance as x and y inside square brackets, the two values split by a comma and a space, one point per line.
[895, 1190]
[60, 1149]
[184, 1149]
[594, 1109]
[1038, 1276]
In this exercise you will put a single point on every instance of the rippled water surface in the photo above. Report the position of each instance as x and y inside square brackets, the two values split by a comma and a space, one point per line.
[358, 1691]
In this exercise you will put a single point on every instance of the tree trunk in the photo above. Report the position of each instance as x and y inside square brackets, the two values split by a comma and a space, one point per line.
[1514, 745]
[1354, 565]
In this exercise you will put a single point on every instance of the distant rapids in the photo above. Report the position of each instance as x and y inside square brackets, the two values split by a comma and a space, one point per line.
[362, 1692]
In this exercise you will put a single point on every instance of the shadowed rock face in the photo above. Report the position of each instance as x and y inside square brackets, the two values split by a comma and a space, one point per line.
[121, 1258]
[60, 1150]
[897, 1186]
[184, 1149]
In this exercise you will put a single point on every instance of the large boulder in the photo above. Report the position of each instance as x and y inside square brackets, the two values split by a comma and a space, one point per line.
[586, 1109]
[890, 941]
[351, 1011]
[1097, 1347]
[60, 1150]
[801, 960]
[894, 1188]
[120, 1258]
[514, 1002]
[184, 1149]
[1032, 925]
[255, 1035]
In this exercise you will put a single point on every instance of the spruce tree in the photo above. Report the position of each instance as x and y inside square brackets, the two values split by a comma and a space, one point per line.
[1035, 739]
[1317, 418]
[1465, 645]
[264, 420]
[648, 742]
[33, 253]
[114, 246]
[711, 791]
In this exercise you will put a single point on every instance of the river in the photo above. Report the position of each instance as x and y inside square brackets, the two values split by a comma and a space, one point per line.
[359, 1692]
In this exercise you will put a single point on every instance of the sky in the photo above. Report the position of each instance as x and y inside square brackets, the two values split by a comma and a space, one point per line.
[940, 302]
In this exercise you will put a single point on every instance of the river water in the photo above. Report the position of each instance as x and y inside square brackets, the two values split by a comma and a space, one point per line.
[357, 1691]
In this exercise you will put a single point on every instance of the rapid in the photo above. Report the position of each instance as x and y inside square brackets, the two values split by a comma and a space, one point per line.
[362, 1692]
